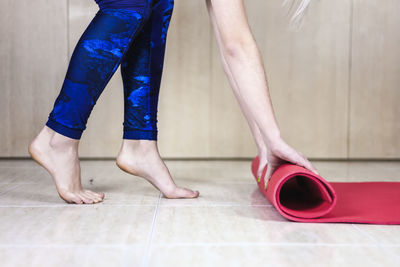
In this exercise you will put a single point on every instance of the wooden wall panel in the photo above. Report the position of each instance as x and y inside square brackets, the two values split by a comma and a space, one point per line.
[184, 107]
[33, 56]
[308, 73]
[230, 134]
[311, 82]
[375, 83]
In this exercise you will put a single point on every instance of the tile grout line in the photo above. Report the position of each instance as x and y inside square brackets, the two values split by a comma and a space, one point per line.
[198, 244]
[375, 241]
[133, 205]
[52, 245]
[30, 183]
[146, 257]
[249, 244]
[365, 234]
[75, 206]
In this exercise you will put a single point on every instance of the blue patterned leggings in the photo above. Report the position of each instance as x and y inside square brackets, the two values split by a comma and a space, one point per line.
[127, 32]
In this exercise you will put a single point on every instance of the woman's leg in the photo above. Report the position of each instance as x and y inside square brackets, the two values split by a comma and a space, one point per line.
[141, 73]
[93, 62]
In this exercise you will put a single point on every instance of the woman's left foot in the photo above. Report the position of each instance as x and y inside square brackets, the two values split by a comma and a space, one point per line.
[141, 158]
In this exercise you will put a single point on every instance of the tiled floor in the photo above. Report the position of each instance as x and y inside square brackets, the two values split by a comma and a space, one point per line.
[230, 224]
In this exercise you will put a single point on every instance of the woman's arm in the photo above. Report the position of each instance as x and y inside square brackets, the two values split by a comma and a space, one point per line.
[244, 67]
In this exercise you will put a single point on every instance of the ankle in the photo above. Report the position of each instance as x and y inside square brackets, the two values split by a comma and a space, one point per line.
[60, 142]
[140, 146]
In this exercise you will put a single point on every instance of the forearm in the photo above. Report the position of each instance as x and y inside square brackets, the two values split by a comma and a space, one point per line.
[244, 64]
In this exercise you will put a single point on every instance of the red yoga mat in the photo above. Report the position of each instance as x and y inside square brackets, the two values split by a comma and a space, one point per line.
[302, 196]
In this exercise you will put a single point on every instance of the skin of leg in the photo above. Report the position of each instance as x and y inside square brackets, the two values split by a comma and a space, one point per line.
[243, 59]
[141, 71]
[94, 60]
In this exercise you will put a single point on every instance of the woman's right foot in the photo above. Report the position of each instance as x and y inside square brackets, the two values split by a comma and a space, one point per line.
[141, 158]
[59, 156]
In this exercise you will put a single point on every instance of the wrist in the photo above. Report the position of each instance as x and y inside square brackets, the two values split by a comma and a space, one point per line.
[273, 136]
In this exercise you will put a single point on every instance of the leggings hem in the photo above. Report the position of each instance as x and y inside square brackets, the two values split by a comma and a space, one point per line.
[140, 134]
[63, 130]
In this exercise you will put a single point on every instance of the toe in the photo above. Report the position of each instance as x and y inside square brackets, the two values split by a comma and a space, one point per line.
[70, 197]
[98, 195]
[191, 194]
[77, 200]
[86, 199]
[196, 194]
[93, 196]
[187, 193]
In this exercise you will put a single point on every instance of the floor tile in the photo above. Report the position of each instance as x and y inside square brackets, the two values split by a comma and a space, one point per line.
[382, 234]
[4, 188]
[394, 253]
[126, 190]
[213, 192]
[46, 195]
[71, 256]
[23, 175]
[230, 224]
[264, 255]
[234, 171]
[75, 225]
[207, 224]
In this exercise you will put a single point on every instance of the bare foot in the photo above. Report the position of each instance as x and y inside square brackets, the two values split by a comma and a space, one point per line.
[59, 156]
[141, 158]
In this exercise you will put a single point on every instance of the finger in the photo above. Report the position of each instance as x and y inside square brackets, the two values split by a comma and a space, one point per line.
[268, 174]
[260, 172]
[307, 164]
[312, 168]
[292, 156]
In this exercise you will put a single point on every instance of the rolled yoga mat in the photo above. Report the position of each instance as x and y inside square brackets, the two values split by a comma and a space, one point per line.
[302, 196]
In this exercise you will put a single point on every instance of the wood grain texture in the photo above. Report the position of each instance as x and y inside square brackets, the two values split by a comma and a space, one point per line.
[375, 83]
[33, 56]
[308, 73]
[230, 134]
[184, 107]
[311, 82]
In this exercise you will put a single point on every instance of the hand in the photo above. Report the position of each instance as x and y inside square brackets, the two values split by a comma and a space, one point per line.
[278, 153]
